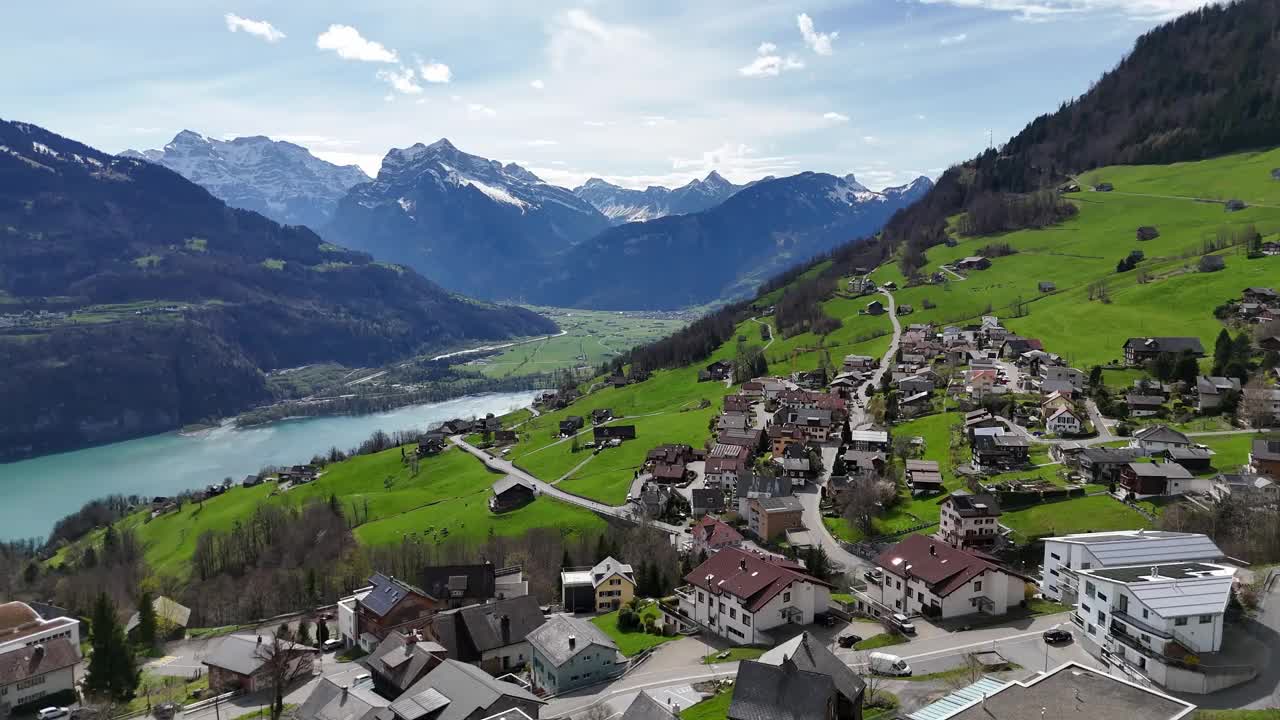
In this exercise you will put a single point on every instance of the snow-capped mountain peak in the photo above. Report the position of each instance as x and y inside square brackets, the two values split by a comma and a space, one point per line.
[279, 179]
[622, 205]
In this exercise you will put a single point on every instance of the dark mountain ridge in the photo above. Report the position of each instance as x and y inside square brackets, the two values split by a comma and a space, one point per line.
[164, 306]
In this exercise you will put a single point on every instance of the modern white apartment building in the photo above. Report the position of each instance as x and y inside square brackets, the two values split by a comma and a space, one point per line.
[1066, 554]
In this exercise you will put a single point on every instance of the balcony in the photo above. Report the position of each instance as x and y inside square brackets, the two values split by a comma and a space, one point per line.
[1140, 626]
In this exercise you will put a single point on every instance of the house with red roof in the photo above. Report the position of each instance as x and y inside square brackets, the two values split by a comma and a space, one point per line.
[926, 576]
[741, 595]
[711, 535]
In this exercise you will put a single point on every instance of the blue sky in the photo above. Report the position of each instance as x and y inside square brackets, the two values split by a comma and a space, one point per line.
[635, 92]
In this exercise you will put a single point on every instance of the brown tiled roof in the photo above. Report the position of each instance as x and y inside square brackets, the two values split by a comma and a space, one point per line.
[944, 569]
[724, 464]
[714, 532]
[16, 614]
[25, 662]
[753, 579]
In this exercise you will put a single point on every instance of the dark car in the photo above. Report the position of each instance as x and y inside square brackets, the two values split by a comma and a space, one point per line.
[1055, 636]
[848, 641]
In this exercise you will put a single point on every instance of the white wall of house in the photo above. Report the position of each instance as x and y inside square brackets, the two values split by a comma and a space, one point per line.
[34, 688]
[54, 629]
[347, 621]
[726, 615]
[1190, 485]
[1065, 423]
[1001, 589]
[509, 656]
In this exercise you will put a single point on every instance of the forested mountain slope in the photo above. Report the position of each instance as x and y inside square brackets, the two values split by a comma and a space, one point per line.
[132, 301]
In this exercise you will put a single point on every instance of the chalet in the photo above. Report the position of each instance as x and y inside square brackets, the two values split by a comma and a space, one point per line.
[733, 421]
[1013, 346]
[811, 379]
[240, 662]
[915, 404]
[800, 678]
[1064, 421]
[1071, 377]
[619, 380]
[655, 499]
[1139, 350]
[815, 424]
[1197, 460]
[1046, 287]
[924, 476]
[973, 262]
[511, 493]
[670, 474]
[1264, 402]
[741, 596]
[980, 419]
[1143, 405]
[254, 480]
[869, 440]
[863, 463]
[1142, 479]
[489, 635]
[710, 535]
[604, 433]
[979, 381]
[723, 472]
[969, 521]
[458, 426]
[366, 617]
[1103, 464]
[796, 468]
[1264, 457]
[1269, 344]
[571, 425]
[905, 309]
[457, 690]
[704, 501]
[924, 575]
[915, 384]
[460, 585]
[601, 415]
[1261, 295]
[737, 403]
[1001, 451]
[1158, 437]
[718, 370]
[875, 307]
[749, 439]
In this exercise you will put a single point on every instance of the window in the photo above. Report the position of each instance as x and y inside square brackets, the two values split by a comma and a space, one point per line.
[977, 587]
[1092, 630]
[1085, 566]
[700, 596]
[1180, 621]
[1205, 619]
[1122, 603]
[1102, 618]
[733, 614]
[1084, 607]
[1144, 614]
[1102, 597]
[1089, 589]
[919, 596]
[1145, 638]
[1053, 573]
[786, 596]
[746, 619]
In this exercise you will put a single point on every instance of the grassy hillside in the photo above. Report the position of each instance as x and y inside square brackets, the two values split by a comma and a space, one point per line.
[445, 501]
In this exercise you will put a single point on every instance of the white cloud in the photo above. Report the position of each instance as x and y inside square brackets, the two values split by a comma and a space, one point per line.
[818, 42]
[537, 85]
[770, 66]
[953, 39]
[766, 48]
[480, 109]
[597, 123]
[920, 117]
[256, 28]
[542, 143]
[350, 45]
[402, 80]
[656, 120]
[835, 117]
[871, 139]
[436, 72]
[1042, 10]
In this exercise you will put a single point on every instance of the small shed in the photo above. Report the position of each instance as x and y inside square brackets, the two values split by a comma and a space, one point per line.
[510, 493]
[1103, 187]
[1212, 263]
[1234, 205]
[1046, 286]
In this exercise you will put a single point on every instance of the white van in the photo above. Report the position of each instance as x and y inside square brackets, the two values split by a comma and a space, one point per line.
[886, 664]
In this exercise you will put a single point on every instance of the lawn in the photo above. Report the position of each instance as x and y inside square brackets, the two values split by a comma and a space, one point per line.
[1083, 514]
[1267, 714]
[155, 689]
[879, 641]
[631, 642]
[1230, 451]
[715, 707]
[1040, 606]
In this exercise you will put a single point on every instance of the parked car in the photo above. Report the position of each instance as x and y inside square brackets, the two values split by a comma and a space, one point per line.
[886, 664]
[1057, 635]
[904, 624]
[50, 713]
[848, 641]
[331, 644]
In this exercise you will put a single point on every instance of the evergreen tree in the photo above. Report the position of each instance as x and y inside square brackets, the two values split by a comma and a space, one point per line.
[1095, 376]
[146, 620]
[1221, 351]
[322, 633]
[111, 671]
[312, 591]
[304, 633]
[1186, 369]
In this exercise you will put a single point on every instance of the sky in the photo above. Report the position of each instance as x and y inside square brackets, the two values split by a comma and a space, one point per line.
[637, 93]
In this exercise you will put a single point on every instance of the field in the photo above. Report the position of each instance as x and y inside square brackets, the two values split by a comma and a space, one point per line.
[591, 337]
[631, 642]
[715, 707]
[1086, 514]
[446, 500]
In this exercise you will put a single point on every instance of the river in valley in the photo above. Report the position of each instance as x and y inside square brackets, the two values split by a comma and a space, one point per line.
[36, 493]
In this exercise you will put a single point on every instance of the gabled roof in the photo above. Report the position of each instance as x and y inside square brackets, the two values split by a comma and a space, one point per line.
[609, 567]
[714, 532]
[552, 639]
[762, 485]
[453, 691]
[166, 610]
[707, 498]
[387, 592]
[1165, 344]
[812, 655]
[1265, 449]
[343, 696]
[475, 580]
[943, 567]
[969, 505]
[34, 660]
[468, 632]
[783, 692]
[1161, 433]
[751, 578]
[401, 662]
[241, 653]
[644, 707]
[1167, 470]
[509, 482]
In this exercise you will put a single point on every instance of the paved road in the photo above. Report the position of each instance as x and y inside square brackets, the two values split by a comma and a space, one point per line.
[623, 512]
[857, 418]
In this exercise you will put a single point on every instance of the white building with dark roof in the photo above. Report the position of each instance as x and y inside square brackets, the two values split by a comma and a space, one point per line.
[1165, 621]
[1066, 554]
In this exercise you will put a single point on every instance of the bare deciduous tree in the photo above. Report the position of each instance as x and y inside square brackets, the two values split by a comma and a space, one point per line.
[284, 662]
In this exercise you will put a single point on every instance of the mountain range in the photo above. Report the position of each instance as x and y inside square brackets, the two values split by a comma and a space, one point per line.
[472, 224]
[281, 180]
[132, 301]
[622, 205]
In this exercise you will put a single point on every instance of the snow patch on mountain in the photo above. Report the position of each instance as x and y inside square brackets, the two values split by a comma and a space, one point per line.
[622, 205]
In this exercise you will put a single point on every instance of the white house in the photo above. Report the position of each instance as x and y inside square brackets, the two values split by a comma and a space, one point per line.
[348, 608]
[1066, 554]
[21, 626]
[1064, 421]
[31, 672]
[968, 520]
[741, 595]
[1166, 621]
[1159, 437]
[923, 575]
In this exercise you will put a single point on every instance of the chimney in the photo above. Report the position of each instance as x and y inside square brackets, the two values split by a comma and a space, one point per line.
[504, 623]
[1155, 571]
[742, 564]
[344, 692]
[411, 637]
[573, 641]
[933, 549]
[259, 639]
